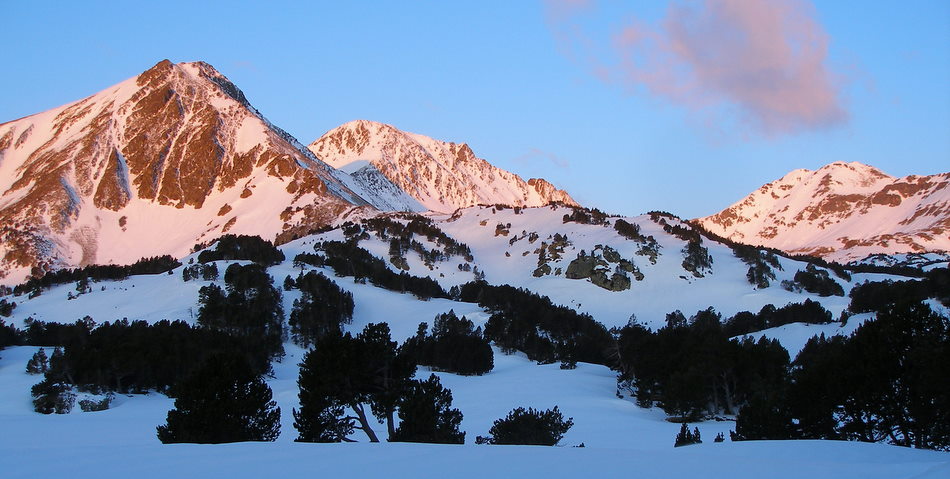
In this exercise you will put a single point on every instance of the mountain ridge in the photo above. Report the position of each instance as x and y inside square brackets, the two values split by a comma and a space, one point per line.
[842, 212]
[176, 156]
[442, 176]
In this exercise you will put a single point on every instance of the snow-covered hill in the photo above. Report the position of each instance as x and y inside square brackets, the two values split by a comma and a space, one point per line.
[441, 176]
[842, 212]
[619, 437]
[506, 247]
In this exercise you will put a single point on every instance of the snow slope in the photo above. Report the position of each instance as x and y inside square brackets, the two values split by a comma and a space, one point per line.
[620, 438]
[842, 212]
[503, 259]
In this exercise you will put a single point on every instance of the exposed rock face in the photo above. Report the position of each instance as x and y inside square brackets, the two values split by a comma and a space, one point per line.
[597, 268]
[442, 176]
[842, 212]
[161, 153]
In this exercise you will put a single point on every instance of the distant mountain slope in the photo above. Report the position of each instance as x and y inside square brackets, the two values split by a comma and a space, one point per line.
[842, 212]
[151, 166]
[442, 176]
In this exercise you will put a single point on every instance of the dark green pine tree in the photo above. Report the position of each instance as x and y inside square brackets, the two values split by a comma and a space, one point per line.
[321, 420]
[765, 417]
[223, 400]
[530, 427]
[346, 372]
[326, 390]
[54, 393]
[685, 438]
[426, 415]
[38, 364]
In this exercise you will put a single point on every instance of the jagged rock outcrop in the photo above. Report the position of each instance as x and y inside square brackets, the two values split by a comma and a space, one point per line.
[441, 176]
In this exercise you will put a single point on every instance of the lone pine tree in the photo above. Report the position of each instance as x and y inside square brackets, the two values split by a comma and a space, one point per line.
[222, 401]
[530, 427]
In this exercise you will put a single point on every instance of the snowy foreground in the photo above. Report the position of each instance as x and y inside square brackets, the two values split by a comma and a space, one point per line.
[621, 439]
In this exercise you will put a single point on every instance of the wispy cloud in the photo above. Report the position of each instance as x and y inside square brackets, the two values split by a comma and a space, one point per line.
[766, 59]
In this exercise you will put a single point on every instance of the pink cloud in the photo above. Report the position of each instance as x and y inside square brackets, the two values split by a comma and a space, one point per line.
[765, 59]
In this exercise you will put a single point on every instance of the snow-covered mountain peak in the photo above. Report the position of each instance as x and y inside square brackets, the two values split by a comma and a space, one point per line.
[442, 176]
[843, 212]
[152, 165]
[836, 176]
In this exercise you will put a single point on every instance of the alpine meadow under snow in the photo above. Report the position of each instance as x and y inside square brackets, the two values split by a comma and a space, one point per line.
[297, 278]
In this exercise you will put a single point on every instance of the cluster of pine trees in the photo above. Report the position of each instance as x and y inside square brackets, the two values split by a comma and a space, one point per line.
[814, 280]
[207, 272]
[876, 295]
[761, 263]
[151, 356]
[222, 400]
[648, 244]
[388, 228]
[455, 345]
[96, 272]
[322, 309]
[346, 379]
[745, 322]
[527, 322]
[250, 307]
[7, 307]
[348, 259]
[886, 382]
[241, 247]
[530, 426]
[691, 368]
[585, 216]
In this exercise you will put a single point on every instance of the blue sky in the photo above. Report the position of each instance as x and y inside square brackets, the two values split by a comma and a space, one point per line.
[540, 88]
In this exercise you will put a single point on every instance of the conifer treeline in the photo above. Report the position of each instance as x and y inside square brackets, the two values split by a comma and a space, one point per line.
[130, 357]
[524, 321]
[455, 345]
[886, 382]
[98, 272]
[692, 369]
[348, 259]
[241, 247]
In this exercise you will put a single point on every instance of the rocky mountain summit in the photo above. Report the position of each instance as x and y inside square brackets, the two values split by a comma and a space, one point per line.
[440, 176]
[842, 212]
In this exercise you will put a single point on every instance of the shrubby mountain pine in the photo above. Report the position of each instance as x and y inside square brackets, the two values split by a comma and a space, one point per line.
[222, 401]
[455, 345]
[530, 427]
[426, 415]
[38, 364]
